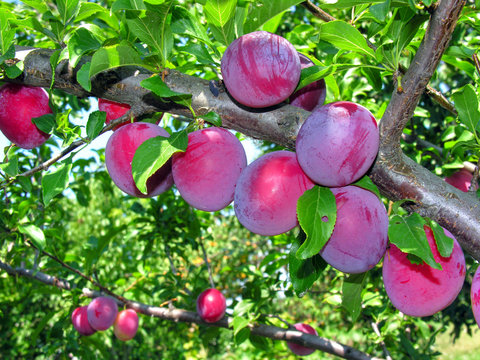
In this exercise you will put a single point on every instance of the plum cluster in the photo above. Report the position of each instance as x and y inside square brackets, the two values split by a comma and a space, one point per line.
[101, 314]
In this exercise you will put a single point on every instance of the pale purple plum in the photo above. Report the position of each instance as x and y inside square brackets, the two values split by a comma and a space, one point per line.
[311, 96]
[299, 349]
[102, 312]
[260, 69]
[267, 193]
[19, 104]
[337, 143]
[119, 152]
[80, 321]
[360, 236]
[211, 305]
[207, 172]
[126, 324]
[461, 179]
[475, 296]
[420, 290]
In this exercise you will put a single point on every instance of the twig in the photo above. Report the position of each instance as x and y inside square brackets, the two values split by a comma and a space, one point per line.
[210, 276]
[377, 332]
[317, 12]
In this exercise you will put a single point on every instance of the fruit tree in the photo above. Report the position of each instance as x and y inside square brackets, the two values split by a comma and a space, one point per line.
[231, 179]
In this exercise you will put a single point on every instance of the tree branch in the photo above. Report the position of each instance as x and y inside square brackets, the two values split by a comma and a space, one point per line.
[179, 315]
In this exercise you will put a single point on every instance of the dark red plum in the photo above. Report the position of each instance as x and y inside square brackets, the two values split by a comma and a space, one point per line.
[80, 321]
[211, 305]
[267, 193]
[19, 104]
[461, 179]
[260, 69]
[119, 152]
[102, 312]
[420, 290]
[207, 172]
[359, 239]
[114, 110]
[126, 324]
[312, 95]
[475, 296]
[299, 349]
[337, 143]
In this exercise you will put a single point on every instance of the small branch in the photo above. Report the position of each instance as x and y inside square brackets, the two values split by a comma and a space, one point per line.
[377, 332]
[205, 257]
[317, 12]
[179, 315]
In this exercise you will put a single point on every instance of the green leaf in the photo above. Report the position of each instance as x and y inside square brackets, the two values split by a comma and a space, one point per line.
[408, 234]
[7, 35]
[183, 22]
[14, 71]
[45, 123]
[243, 307]
[55, 182]
[314, 73]
[264, 10]
[80, 43]
[260, 342]
[39, 5]
[466, 103]
[238, 324]
[317, 214]
[221, 19]
[212, 118]
[9, 54]
[345, 37]
[137, 5]
[344, 4]
[367, 184]
[159, 88]
[303, 273]
[95, 123]
[199, 51]
[11, 167]
[35, 234]
[153, 153]
[443, 241]
[88, 9]
[67, 9]
[380, 11]
[83, 76]
[353, 285]
[111, 57]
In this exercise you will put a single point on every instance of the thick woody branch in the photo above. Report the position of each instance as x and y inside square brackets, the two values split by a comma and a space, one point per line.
[179, 315]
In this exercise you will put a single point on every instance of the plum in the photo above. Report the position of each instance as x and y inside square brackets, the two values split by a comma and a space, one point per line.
[311, 96]
[207, 172]
[267, 192]
[461, 179]
[211, 305]
[102, 312]
[360, 236]
[80, 321]
[337, 143]
[119, 152]
[420, 290]
[114, 110]
[260, 69]
[475, 296]
[299, 349]
[126, 324]
[19, 104]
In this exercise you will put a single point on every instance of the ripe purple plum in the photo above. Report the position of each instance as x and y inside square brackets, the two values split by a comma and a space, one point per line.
[119, 152]
[420, 290]
[260, 69]
[80, 321]
[311, 96]
[19, 104]
[461, 179]
[126, 324]
[102, 312]
[337, 143]
[267, 193]
[359, 239]
[114, 110]
[211, 305]
[299, 349]
[207, 172]
[475, 296]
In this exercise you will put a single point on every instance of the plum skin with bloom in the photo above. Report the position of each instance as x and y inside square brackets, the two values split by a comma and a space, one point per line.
[19, 104]
[475, 296]
[260, 69]
[207, 172]
[267, 192]
[420, 290]
[119, 152]
[80, 321]
[299, 349]
[114, 110]
[461, 179]
[126, 324]
[337, 143]
[311, 96]
[211, 305]
[102, 312]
